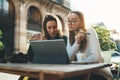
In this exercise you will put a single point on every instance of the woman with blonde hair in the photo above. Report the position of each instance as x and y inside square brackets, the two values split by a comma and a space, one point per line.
[84, 40]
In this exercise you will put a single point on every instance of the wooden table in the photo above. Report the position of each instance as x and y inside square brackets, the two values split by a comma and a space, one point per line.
[51, 71]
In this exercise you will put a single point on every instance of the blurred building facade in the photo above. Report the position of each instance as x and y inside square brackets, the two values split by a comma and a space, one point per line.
[19, 19]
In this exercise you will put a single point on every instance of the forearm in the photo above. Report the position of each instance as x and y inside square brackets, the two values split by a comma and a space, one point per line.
[72, 50]
[90, 58]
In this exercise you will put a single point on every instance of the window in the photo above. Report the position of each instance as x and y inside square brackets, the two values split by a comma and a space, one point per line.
[4, 6]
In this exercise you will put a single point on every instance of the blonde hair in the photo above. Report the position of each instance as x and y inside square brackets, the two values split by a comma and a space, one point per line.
[72, 35]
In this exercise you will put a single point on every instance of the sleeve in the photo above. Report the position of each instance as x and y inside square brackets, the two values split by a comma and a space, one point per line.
[30, 53]
[72, 50]
[94, 46]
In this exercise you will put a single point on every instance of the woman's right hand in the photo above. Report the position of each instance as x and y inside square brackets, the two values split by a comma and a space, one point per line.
[80, 36]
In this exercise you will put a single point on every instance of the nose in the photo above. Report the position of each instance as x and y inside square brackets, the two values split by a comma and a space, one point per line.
[52, 30]
[69, 22]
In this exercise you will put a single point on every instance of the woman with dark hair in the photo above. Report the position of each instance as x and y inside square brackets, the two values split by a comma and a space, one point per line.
[51, 29]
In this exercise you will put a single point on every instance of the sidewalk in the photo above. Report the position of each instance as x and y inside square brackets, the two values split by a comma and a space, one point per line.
[4, 76]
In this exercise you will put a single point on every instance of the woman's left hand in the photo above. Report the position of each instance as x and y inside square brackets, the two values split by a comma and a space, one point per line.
[37, 37]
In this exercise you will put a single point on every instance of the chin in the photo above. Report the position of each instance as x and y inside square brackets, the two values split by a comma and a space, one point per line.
[53, 36]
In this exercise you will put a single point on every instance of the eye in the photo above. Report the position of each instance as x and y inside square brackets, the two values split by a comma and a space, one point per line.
[49, 27]
[54, 26]
[73, 21]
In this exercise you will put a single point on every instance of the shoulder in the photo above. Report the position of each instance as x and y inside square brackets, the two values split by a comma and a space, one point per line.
[92, 32]
[64, 37]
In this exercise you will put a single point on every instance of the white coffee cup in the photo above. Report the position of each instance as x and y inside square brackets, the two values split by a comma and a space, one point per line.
[81, 56]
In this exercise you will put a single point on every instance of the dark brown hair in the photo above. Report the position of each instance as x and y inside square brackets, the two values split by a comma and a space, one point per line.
[48, 18]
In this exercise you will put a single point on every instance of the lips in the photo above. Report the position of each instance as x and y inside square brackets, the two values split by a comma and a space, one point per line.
[53, 34]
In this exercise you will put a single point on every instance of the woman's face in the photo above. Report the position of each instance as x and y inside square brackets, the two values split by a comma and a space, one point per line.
[74, 22]
[51, 27]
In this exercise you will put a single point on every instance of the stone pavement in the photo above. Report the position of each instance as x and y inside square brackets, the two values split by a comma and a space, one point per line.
[4, 76]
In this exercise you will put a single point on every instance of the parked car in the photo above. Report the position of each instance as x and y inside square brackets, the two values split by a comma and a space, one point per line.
[115, 59]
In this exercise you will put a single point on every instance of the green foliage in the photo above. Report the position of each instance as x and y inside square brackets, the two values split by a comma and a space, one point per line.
[0, 34]
[1, 43]
[106, 43]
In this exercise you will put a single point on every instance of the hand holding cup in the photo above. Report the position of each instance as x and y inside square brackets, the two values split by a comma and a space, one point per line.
[80, 36]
